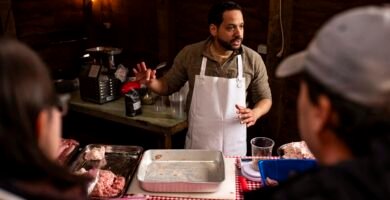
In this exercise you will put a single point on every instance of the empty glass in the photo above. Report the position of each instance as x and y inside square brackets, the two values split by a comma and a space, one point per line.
[177, 105]
[261, 147]
[159, 104]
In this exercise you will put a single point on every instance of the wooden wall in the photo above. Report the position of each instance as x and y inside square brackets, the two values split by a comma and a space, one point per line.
[130, 25]
[7, 27]
[301, 19]
[188, 22]
[56, 29]
[60, 30]
[155, 30]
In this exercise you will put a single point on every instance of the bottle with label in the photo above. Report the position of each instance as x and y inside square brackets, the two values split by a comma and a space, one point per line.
[133, 103]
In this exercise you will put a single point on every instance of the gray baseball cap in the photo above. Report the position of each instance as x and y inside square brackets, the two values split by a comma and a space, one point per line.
[350, 55]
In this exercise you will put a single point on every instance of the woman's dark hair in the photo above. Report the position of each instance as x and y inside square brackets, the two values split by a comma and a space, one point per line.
[25, 90]
[357, 124]
[216, 12]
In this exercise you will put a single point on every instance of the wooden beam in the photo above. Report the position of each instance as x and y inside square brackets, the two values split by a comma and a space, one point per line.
[279, 31]
[165, 30]
[7, 21]
[278, 46]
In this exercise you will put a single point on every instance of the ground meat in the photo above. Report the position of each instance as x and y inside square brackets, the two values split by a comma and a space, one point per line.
[108, 185]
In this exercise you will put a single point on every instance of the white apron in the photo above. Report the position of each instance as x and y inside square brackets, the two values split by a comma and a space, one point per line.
[213, 121]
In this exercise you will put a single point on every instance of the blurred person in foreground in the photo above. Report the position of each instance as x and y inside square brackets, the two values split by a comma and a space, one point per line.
[30, 130]
[343, 109]
[220, 71]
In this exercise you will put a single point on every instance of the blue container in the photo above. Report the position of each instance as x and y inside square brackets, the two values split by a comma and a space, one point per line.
[280, 170]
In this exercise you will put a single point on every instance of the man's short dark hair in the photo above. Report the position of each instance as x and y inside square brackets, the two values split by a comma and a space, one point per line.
[216, 12]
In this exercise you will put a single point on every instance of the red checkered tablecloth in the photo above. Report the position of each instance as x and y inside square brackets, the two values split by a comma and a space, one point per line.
[239, 193]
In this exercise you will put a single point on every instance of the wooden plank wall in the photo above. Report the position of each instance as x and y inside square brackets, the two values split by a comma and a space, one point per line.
[130, 25]
[7, 23]
[301, 19]
[187, 22]
[55, 29]
[146, 30]
[61, 30]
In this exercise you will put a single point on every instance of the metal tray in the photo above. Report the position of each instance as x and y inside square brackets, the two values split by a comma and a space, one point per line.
[121, 160]
[183, 170]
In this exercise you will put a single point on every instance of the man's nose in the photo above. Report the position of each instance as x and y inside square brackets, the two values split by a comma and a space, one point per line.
[238, 32]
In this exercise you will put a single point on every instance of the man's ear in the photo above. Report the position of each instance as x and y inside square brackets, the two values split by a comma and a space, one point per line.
[213, 29]
[324, 114]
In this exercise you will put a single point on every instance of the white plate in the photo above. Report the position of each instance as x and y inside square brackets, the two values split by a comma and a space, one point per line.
[249, 173]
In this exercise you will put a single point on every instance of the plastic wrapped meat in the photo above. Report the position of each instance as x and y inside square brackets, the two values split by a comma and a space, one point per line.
[96, 153]
[296, 150]
[93, 173]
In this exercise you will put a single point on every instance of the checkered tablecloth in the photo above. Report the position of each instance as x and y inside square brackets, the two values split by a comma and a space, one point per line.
[239, 193]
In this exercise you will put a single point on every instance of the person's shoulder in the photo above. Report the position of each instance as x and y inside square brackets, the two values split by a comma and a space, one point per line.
[191, 50]
[4, 194]
[305, 186]
[321, 184]
[195, 46]
[250, 54]
[249, 51]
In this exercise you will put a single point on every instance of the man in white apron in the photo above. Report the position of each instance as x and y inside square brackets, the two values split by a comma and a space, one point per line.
[219, 71]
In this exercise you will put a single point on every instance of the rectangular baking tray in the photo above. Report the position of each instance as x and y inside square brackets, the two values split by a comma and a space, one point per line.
[181, 170]
[122, 160]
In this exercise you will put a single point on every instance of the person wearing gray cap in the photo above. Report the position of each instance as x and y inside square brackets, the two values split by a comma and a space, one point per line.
[343, 109]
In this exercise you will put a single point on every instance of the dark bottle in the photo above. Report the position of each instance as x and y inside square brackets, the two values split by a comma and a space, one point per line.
[133, 103]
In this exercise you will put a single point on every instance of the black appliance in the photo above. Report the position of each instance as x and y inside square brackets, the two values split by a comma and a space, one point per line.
[98, 83]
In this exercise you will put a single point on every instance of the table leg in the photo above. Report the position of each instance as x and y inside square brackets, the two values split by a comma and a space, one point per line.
[167, 141]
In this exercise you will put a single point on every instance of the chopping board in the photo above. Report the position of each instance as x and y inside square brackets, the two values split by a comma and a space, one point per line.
[227, 189]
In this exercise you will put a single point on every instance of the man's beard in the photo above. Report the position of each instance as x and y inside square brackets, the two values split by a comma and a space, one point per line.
[227, 45]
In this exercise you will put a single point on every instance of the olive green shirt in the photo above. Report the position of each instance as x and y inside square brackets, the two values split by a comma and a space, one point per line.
[188, 62]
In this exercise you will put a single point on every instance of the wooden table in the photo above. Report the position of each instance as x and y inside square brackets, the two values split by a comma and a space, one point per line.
[159, 122]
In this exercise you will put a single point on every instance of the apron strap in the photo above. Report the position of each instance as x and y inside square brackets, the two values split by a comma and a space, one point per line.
[239, 64]
[203, 67]
[240, 75]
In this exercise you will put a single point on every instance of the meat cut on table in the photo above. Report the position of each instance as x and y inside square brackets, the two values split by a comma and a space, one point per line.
[108, 184]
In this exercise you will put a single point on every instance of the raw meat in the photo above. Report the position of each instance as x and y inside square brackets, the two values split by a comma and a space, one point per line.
[67, 146]
[108, 185]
